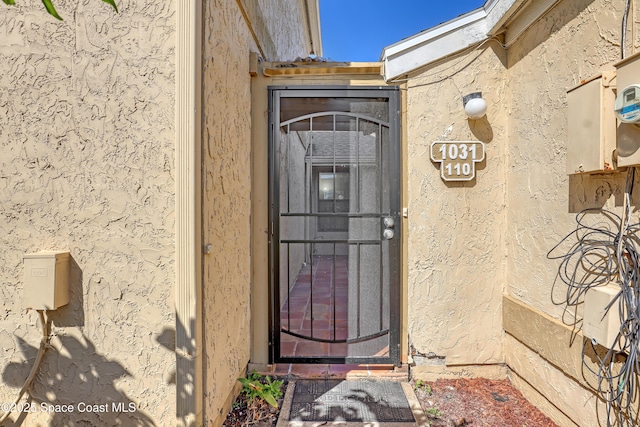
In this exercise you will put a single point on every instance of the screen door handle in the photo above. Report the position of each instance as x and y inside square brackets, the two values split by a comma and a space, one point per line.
[388, 232]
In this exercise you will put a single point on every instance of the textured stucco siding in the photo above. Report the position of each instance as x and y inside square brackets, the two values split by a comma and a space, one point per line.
[576, 40]
[456, 230]
[550, 372]
[468, 244]
[226, 183]
[86, 148]
[572, 43]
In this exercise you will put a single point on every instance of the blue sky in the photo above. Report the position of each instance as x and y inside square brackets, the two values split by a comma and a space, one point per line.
[357, 30]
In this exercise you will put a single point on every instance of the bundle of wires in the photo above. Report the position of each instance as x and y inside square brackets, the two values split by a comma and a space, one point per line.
[606, 252]
[34, 370]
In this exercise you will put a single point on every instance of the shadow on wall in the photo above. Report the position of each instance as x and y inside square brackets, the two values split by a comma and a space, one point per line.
[563, 13]
[167, 339]
[432, 74]
[71, 314]
[481, 129]
[65, 376]
[593, 191]
[184, 375]
[73, 373]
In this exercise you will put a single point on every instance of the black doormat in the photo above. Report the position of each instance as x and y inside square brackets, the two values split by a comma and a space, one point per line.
[350, 401]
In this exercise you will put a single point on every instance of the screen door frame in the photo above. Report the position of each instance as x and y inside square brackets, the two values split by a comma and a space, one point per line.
[391, 178]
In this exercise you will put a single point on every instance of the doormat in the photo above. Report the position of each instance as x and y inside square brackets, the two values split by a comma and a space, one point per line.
[348, 402]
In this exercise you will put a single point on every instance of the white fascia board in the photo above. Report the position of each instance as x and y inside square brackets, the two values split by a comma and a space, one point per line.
[419, 55]
[526, 18]
[435, 32]
[445, 39]
[499, 11]
[315, 29]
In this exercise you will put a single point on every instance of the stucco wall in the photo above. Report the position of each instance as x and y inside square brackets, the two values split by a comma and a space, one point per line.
[575, 41]
[86, 148]
[456, 252]
[496, 233]
[226, 183]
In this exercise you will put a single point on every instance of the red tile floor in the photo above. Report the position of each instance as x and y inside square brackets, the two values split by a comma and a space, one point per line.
[332, 371]
[317, 306]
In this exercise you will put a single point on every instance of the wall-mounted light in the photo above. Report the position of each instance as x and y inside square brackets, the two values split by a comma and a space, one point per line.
[474, 105]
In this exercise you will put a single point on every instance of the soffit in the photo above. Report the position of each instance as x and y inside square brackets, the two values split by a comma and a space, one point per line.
[312, 68]
[258, 26]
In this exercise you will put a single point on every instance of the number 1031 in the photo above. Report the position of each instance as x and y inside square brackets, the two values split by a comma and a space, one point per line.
[458, 151]
[457, 158]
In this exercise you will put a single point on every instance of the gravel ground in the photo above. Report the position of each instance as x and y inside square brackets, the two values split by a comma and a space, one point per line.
[477, 402]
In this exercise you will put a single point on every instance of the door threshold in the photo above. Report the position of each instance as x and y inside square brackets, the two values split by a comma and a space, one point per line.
[340, 372]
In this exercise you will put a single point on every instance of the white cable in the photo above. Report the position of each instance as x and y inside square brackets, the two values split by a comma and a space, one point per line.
[36, 365]
[623, 38]
[633, 27]
[462, 54]
[600, 254]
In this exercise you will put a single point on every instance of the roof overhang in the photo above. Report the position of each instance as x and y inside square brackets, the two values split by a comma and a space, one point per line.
[281, 69]
[507, 17]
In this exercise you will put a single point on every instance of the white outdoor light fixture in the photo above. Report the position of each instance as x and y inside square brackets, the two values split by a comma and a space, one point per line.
[474, 105]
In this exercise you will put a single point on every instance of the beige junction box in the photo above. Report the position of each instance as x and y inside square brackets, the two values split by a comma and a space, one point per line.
[46, 280]
[599, 324]
[591, 125]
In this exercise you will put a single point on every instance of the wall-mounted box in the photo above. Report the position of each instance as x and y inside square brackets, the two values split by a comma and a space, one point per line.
[591, 137]
[46, 280]
[598, 324]
[628, 73]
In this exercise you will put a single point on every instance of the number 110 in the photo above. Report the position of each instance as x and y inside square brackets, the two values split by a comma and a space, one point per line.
[458, 168]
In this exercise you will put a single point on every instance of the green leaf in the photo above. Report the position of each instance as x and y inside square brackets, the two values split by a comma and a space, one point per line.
[9, 1]
[271, 400]
[52, 10]
[112, 3]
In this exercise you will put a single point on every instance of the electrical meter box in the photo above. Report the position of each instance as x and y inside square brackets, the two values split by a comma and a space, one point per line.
[599, 324]
[46, 280]
[628, 75]
[591, 137]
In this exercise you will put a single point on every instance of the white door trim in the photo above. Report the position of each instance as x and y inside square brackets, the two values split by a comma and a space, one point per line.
[188, 284]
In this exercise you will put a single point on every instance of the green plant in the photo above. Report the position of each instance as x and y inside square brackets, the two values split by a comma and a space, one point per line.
[421, 385]
[257, 386]
[48, 5]
[434, 412]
